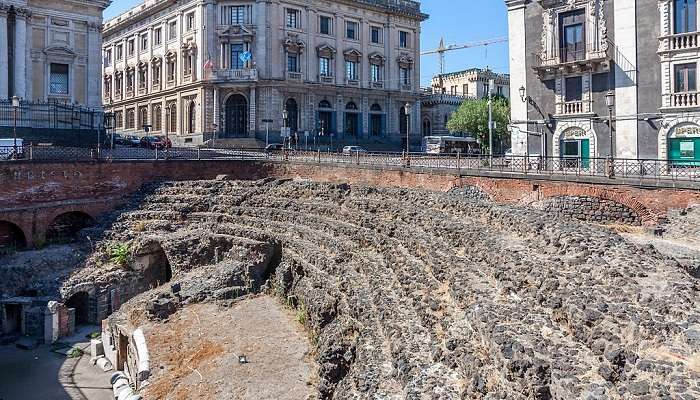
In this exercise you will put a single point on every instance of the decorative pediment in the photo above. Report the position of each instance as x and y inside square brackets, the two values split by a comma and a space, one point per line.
[189, 47]
[377, 59]
[59, 51]
[236, 33]
[405, 60]
[326, 51]
[171, 56]
[156, 60]
[142, 65]
[352, 55]
[594, 14]
[293, 44]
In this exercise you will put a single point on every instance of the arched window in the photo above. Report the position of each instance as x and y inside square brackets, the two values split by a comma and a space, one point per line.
[325, 104]
[426, 127]
[351, 106]
[130, 120]
[157, 118]
[191, 117]
[172, 117]
[376, 108]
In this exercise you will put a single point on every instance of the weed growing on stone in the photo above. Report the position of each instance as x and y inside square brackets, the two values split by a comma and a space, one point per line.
[119, 254]
[75, 353]
[301, 316]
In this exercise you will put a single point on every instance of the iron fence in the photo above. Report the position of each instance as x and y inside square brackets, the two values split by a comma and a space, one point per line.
[568, 168]
[49, 115]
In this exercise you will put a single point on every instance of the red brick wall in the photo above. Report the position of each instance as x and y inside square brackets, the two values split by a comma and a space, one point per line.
[34, 194]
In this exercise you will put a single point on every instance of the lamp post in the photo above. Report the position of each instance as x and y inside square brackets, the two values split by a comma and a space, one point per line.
[15, 106]
[610, 102]
[491, 84]
[285, 114]
[407, 107]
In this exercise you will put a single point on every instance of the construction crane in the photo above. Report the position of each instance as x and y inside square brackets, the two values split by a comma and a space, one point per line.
[442, 49]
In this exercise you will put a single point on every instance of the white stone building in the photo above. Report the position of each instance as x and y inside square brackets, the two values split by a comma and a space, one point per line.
[195, 69]
[471, 83]
[50, 50]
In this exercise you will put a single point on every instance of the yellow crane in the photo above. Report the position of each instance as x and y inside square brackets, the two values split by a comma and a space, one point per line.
[442, 49]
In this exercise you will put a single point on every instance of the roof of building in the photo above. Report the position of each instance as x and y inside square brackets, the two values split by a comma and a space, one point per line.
[470, 71]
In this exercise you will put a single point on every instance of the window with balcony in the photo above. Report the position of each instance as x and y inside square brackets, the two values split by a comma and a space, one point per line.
[118, 84]
[352, 30]
[120, 52]
[156, 74]
[404, 38]
[573, 89]
[351, 70]
[143, 40]
[293, 18]
[187, 64]
[58, 81]
[292, 63]
[235, 15]
[130, 47]
[170, 69]
[572, 38]
[685, 78]
[130, 81]
[325, 25]
[143, 77]
[376, 35]
[685, 16]
[237, 50]
[324, 66]
[157, 36]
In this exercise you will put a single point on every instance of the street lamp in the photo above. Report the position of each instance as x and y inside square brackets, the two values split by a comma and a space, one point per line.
[610, 102]
[522, 93]
[407, 107]
[15, 106]
[285, 114]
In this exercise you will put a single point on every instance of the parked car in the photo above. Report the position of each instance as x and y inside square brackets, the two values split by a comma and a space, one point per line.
[7, 149]
[133, 141]
[354, 150]
[274, 147]
[152, 142]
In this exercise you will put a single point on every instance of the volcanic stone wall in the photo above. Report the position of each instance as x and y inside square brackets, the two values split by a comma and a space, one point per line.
[589, 209]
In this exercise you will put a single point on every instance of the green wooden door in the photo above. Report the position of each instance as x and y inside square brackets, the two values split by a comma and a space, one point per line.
[684, 151]
[585, 153]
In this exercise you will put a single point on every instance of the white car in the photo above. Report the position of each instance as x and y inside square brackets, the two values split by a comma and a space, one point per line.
[354, 150]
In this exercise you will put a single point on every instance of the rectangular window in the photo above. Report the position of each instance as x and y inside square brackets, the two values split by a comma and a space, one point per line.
[574, 89]
[292, 63]
[172, 30]
[143, 115]
[293, 18]
[189, 21]
[465, 90]
[108, 58]
[405, 75]
[119, 120]
[157, 36]
[171, 71]
[120, 52]
[376, 73]
[130, 47]
[376, 34]
[403, 39]
[499, 90]
[58, 83]
[351, 70]
[324, 25]
[143, 78]
[351, 30]
[685, 16]
[685, 77]
[324, 66]
[156, 74]
[144, 41]
[572, 41]
[237, 51]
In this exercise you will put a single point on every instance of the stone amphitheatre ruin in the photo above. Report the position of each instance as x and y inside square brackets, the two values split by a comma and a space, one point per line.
[405, 293]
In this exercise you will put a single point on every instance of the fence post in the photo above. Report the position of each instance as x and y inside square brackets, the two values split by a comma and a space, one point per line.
[319, 155]
[357, 158]
[198, 154]
[459, 162]
[156, 152]
[31, 152]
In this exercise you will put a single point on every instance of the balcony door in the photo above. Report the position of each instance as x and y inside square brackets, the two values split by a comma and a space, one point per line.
[237, 50]
[572, 36]
[685, 16]
[685, 78]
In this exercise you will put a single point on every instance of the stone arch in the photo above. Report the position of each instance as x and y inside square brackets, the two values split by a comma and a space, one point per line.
[426, 128]
[646, 215]
[12, 237]
[80, 301]
[65, 227]
[668, 128]
[564, 126]
[153, 264]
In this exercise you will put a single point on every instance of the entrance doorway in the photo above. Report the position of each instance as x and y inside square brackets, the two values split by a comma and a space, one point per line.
[13, 319]
[81, 303]
[236, 116]
[576, 153]
[292, 116]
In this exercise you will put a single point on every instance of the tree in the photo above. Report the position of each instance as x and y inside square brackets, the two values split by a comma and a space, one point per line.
[472, 118]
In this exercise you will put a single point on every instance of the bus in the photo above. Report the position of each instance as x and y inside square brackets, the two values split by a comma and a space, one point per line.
[450, 145]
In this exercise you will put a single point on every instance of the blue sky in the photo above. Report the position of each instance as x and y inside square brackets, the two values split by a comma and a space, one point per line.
[459, 21]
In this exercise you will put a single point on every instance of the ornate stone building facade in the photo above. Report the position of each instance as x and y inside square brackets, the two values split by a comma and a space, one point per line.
[473, 82]
[571, 57]
[50, 50]
[225, 69]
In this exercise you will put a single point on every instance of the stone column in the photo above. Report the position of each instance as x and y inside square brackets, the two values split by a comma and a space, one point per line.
[4, 61]
[20, 54]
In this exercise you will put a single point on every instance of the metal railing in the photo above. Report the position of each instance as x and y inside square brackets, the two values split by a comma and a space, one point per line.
[570, 168]
[49, 115]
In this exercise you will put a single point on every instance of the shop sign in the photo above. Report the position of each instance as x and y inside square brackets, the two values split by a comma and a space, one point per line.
[575, 133]
[687, 131]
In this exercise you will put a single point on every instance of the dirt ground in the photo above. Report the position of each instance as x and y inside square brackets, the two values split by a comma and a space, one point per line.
[194, 355]
[40, 374]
